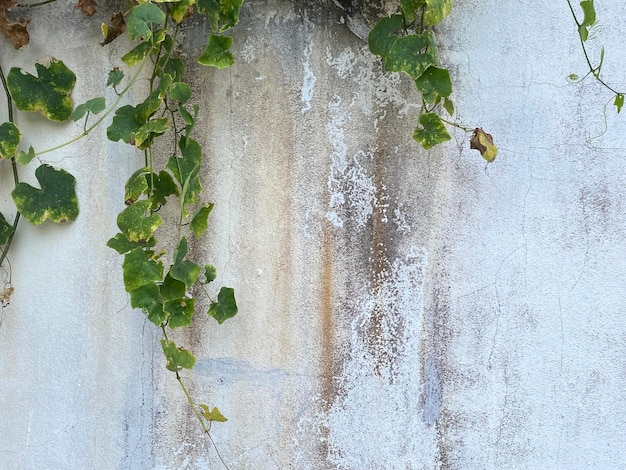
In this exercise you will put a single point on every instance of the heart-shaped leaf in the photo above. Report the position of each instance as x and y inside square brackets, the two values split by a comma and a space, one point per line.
[139, 269]
[141, 17]
[400, 53]
[225, 307]
[56, 200]
[433, 131]
[48, 93]
[136, 223]
[216, 53]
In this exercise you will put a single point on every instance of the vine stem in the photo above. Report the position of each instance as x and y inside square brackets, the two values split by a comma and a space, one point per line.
[458, 126]
[16, 178]
[592, 70]
[102, 117]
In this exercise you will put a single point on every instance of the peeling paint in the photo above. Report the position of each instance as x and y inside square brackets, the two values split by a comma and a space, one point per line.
[352, 191]
[308, 85]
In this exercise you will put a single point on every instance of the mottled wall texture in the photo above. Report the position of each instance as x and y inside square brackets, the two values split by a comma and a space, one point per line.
[398, 309]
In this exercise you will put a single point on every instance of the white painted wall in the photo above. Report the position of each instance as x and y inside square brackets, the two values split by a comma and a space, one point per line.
[398, 308]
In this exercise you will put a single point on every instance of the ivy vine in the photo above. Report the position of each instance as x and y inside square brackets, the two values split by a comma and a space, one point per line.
[406, 42]
[586, 28]
[160, 279]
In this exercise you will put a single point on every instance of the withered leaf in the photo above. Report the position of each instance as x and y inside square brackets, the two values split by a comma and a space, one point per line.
[15, 32]
[113, 30]
[483, 142]
[88, 7]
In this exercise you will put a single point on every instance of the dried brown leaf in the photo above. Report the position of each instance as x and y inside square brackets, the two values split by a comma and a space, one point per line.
[15, 32]
[113, 30]
[483, 142]
[88, 7]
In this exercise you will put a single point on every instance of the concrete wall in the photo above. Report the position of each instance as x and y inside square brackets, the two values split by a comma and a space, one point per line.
[398, 308]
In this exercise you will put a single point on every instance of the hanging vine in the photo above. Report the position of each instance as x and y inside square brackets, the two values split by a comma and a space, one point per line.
[159, 277]
[406, 42]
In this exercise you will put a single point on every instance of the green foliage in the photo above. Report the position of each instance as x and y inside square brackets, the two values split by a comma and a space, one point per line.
[162, 292]
[406, 43]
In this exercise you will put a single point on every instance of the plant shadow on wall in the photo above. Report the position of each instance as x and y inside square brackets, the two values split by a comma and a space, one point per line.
[158, 276]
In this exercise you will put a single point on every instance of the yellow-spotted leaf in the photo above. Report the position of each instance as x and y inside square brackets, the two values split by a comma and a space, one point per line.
[56, 200]
[48, 93]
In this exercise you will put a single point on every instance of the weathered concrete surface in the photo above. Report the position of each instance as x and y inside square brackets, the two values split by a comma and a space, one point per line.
[398, 309]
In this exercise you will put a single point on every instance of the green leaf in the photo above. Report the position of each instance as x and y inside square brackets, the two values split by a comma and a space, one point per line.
[148, 131]
[409, 9]
[589, 12]
[434, 83]
[144, 296]
[180, 9]
[180, 92]
[199, 222]
[583, 32]
[184, 270]
[212, 415]
[24, 158]
[93, 106]
[137, 54]
[619, 102]
[124, 124]
[154, 101]
[172, 289]
[185, 169]
[408, 53]
[122, 245]
[164, 186]
[177, 358]
[433, 131]
[180, 312]
[448, 106]
[56, 200]
[216, 53]
[137, 185]
[139, 269]
[48, 93]
[222, 14]
[210, 272]
[140, 18]
[10, 137]
[483, 142]
[225, 307]
[115, 77]
[135, 222]
[437, 10]
[6, 229]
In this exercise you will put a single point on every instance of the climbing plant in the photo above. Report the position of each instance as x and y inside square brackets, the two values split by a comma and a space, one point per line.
[586, 28]
[158, 275]
[406, 42]
[160, 278]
